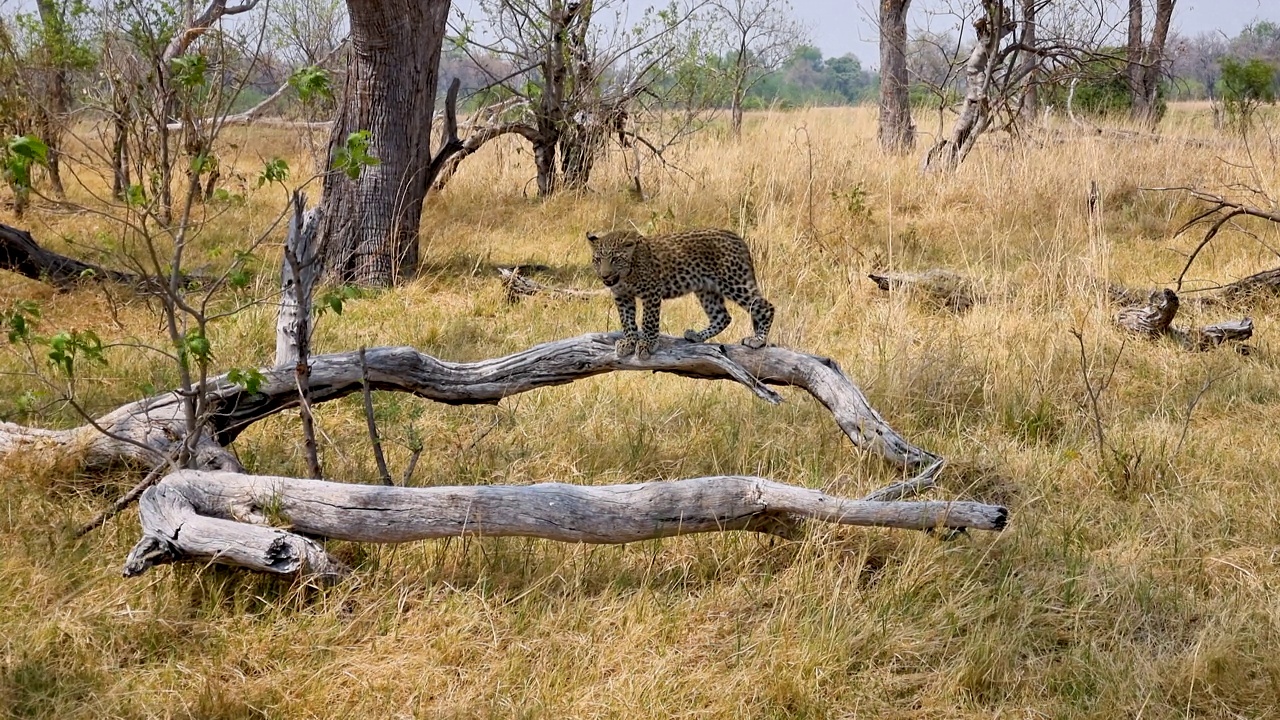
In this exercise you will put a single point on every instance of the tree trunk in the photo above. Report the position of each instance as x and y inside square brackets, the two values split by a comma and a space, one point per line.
[544, 159]
[1154, 320]
[1029, 104]
[897, 130]
[149, 430]
[298, 277]
[580, 136]
[20, 253]
[369, 225]
[980, 73]
[741, 69]
[53, 106]
[1133, 60]
[1146, 60]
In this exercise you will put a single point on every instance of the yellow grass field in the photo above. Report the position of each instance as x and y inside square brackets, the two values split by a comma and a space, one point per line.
[1142, 584]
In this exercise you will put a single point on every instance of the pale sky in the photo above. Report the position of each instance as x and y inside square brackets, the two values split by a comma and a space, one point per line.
[843, 26]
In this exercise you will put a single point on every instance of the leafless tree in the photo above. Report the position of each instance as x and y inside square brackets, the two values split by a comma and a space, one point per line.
[304, 32]
[568, 76]
[1011, 56]
[759, 37]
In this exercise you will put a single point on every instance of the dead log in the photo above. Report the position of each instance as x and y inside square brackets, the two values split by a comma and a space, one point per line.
[1266, 282]
[943, 287]
[20, 253]
[517, 285]
[1155, 318]
[147, 431]
[1152, 319]
[223, 517]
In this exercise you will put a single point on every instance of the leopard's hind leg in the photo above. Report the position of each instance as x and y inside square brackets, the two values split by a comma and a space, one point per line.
[713, 305]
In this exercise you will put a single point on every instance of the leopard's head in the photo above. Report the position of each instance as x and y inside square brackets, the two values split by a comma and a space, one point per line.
[612, 254]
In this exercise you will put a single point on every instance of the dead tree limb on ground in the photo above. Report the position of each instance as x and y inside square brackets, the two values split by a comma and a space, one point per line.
[1155, 319]
[944, 287]
[20, 253]
[223, 517]
[1266, 282]
[147, 430]
[517, 285]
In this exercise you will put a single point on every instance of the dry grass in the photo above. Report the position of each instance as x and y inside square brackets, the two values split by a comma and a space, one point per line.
[1141, 585]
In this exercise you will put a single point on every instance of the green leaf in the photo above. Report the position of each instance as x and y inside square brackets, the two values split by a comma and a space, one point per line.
[203, 163]
[251, 379]
[189, 71]
[276, 170]
[135, 195]
[196, 345]
[30, 148]
[239, 278]
[352, 157]
[311, 82]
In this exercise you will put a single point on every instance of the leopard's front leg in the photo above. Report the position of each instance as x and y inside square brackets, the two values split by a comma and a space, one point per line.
[630, 336]
[649, 334]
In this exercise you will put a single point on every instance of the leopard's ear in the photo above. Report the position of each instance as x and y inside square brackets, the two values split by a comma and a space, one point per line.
[592, 237]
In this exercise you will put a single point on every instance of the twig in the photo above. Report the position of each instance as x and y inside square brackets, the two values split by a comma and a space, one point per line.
[302, 377]
[1095, 393]
[383, 473]
[1207, 237]
[127, 499]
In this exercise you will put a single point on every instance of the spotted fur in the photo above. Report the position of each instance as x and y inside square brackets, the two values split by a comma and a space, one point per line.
[713, 264]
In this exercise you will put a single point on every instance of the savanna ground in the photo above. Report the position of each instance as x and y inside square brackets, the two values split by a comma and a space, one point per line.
[1140, 584]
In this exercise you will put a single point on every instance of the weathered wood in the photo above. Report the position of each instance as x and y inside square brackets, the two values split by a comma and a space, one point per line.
[298, 276]
[949, 289]
[1155, 320]
[147, 430]
[1266, 282]
[222, 517]
[1152, 319]
[517, 285]
[1211, 336]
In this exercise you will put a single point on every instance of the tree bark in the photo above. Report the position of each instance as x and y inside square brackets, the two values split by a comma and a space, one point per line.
[980, 72]
[53, 106]
[222, 517]
[370, 224]
[897, 130]
[1146, 60]
[741, 69]
[1029, 104]
[1155, 319]
[298, 276]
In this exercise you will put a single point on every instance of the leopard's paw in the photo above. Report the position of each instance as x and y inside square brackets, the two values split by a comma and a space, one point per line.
[625, 346]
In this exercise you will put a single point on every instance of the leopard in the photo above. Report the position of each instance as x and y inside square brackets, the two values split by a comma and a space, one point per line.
[712, 264]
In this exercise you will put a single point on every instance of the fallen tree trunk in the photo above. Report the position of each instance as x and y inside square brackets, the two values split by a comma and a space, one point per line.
[1266, 282]
[944, 287]
[221, 517]
[20, 253]
[147, 431]
[516, 285]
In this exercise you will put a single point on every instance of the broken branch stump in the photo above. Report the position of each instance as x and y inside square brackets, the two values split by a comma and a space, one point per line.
[1155, 319]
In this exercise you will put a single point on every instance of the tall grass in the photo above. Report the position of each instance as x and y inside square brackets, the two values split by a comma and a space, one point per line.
[1145, 587]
